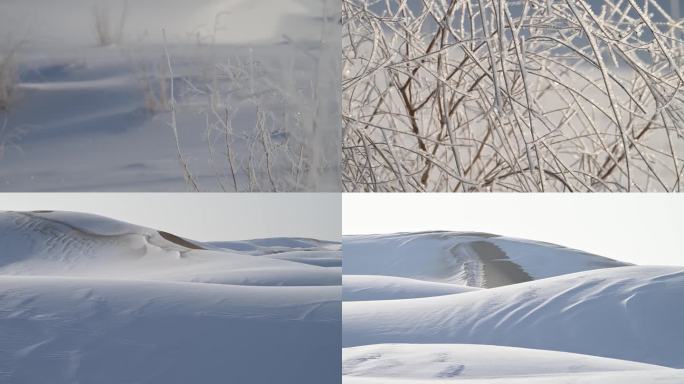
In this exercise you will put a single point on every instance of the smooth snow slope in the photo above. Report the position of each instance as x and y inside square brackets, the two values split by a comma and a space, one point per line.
[367, 288]
[470, 361]
[91, 300]
[631, 313]
[473, 259]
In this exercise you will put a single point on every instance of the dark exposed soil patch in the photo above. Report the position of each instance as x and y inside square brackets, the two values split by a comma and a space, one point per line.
[498, 269]
[178, 240]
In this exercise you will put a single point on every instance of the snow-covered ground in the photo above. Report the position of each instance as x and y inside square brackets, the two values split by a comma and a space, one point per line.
[422, 308]
[88, 299]
[472, 259]
[254, 86]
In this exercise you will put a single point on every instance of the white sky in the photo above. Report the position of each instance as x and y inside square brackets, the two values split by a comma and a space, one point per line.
[641, 229]
[202, 216]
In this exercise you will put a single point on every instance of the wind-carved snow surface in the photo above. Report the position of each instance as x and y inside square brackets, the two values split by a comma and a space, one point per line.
[87, 299]
[472, 259]
[208, 95]
[436, 307]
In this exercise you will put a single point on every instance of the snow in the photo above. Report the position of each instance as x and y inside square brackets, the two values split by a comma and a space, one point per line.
[636, 377]
[85, 117]
[454, 257]
[629, 313]
[319, 258]
[73, 244]
[87, 299]
[471, 361]
[272, 245]
[439, 307]
[368, 288]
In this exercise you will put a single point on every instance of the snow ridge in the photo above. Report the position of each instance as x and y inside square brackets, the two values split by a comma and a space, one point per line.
[434, 307]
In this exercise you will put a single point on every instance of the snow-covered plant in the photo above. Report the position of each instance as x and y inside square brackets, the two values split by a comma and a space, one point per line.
[8, 76]
[515, 95]
[263, 132]
[272, 115]
[154, 82]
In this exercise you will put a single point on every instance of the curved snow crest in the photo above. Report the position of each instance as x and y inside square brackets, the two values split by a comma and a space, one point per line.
[84, 245]
[323, 258]
[367, 288]
[631, 313]
[84, 222]
[467, 258]
[468, 361]
[273, 245]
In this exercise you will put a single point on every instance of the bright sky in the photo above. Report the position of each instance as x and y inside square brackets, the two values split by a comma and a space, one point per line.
[641, 229]
[202, 216]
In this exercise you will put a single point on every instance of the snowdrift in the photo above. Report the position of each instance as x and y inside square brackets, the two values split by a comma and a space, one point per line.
[444, 307]
[88, 299]
[473, 259]
[71, 244]
[470, 361]
[630, 313]
[368, 288]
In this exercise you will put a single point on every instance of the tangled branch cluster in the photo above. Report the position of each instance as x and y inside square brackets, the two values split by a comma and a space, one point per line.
[494, 95]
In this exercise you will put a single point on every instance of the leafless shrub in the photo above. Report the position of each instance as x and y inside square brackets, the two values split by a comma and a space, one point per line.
[494, 95]
[8, 75]
[190, 180]
[266, 128]
[271, 154]
[155, 88]
[108, 29]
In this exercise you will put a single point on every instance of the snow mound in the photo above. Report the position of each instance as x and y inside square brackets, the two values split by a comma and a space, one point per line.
[87, 299]
[83, 245]
[365, 288]
[319, 258]
[630, 313]
[472, 259]
[466, 361]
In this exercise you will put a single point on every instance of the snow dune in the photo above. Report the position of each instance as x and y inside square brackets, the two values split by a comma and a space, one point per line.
[367, 288]
[630, 313]
[88, 299]
[473, 259]
[68, 244]
[440, 307]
